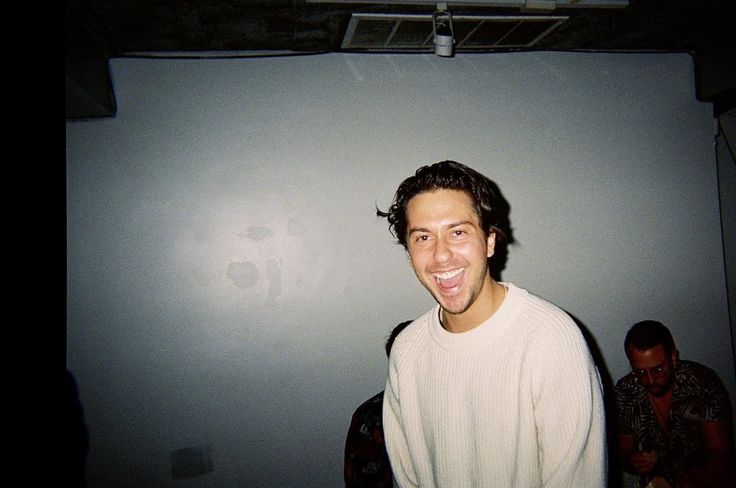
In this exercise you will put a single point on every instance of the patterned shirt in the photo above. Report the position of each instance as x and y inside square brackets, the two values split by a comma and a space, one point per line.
[366, 459]
[697, 396]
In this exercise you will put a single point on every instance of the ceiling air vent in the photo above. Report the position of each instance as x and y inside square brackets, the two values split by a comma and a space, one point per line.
[413, 32]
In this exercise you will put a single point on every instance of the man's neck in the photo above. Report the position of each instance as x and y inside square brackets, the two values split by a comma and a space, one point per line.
[485, 305]
[661, 406]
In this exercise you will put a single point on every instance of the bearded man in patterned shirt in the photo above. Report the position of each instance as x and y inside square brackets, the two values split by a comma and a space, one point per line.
[674, 416]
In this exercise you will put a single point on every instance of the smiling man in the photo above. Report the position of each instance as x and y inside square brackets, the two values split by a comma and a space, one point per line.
[493, 387]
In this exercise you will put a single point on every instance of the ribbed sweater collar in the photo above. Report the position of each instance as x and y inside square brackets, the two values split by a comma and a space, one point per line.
[486, 332]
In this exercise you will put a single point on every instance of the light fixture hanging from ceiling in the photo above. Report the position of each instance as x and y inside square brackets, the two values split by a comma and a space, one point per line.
[444, 34]
[465, 30]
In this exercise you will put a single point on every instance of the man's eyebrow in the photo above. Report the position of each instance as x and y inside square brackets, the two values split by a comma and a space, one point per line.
[458, 224]
[417, 229]
[448, 226]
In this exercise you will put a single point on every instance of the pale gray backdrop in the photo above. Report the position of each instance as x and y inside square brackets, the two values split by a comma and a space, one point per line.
[230, 287]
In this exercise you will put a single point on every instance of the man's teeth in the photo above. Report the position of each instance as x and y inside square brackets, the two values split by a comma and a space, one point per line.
[448, 274]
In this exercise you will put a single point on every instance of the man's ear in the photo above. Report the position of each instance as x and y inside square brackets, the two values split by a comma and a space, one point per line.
[491, 244]
[675, 357]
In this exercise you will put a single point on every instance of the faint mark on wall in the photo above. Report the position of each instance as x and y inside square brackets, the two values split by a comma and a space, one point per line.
[257, 233]
[243, 273]
[273, 272]
[295, 228]
[191, 461]
[267, 268]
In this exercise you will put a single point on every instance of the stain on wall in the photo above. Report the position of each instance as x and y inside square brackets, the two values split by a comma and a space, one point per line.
[243, 274]
[258, 233]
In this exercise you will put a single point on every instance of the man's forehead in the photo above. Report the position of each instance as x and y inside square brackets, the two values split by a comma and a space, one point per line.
[656, 354]
[450, 201]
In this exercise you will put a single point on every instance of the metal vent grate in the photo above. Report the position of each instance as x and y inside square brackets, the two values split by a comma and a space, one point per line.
[413, 32]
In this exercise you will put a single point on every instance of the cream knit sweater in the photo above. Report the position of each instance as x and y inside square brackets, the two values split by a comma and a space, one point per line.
[515, 402]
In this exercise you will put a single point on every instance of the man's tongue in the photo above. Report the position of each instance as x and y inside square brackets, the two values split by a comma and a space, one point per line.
[450, 282]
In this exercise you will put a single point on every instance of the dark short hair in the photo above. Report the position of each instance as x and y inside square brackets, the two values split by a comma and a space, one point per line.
[648, 334]
[489, 205]
[394, 334]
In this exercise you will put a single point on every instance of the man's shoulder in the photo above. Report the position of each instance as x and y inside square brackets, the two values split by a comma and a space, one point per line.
[541, 317]
[532, 304]
[368, 414]
[417, 328]
[373, 404]
[694, 367]
[697, 374]
[628, 386]
[414, 334]
[701, 393]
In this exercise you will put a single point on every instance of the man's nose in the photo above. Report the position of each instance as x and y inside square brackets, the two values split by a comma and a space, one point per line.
[442, 251]
[648, 378]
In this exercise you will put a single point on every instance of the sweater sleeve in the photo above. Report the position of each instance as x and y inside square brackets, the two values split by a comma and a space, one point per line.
[568, 406]
[396, 445]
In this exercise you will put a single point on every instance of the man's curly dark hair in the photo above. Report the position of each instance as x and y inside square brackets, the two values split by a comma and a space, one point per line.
[489, 205]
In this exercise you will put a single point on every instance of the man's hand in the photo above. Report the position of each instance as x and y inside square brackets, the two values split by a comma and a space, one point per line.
[658, 482]
[643, 461]
[634, 460]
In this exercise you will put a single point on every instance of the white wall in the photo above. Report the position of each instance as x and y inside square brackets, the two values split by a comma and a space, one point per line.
[230, 285]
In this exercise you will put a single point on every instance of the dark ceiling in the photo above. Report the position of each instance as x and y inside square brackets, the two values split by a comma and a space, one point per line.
[99, 30]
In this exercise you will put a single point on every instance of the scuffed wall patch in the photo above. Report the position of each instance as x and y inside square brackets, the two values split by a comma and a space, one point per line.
[243, 274]
[191, 461]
